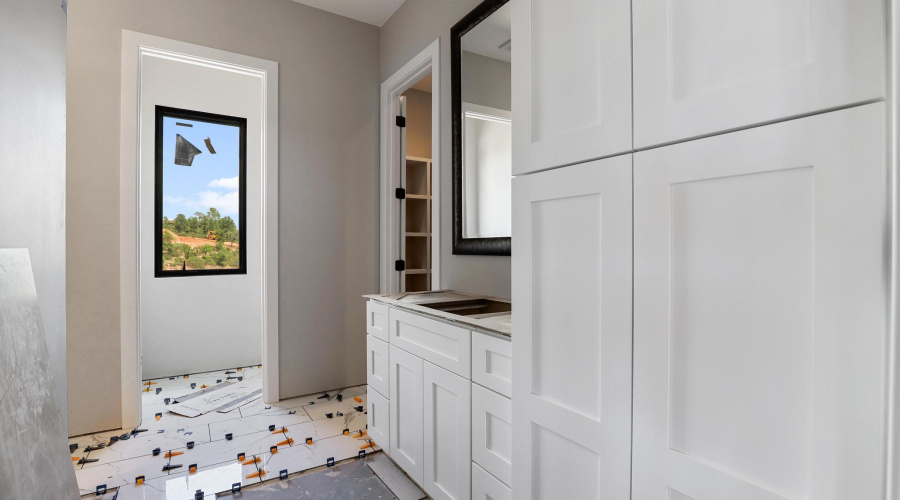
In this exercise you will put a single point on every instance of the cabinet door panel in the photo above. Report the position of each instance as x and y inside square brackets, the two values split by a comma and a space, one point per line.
[492, 432]
[377, 365]
[572, 68]
[492, 363]
[377, 320]
[759, 313]
[378, 418]
[706, 66]
[488, 487]
[406, 413]
[572, 344]
[448, 455]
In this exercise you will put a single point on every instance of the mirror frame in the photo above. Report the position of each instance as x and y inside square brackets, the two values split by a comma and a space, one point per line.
[461, 244]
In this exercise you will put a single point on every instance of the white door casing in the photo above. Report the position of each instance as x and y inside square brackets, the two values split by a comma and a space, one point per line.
[572, 346]
[760, 274]
[572, 97]
[703, 66]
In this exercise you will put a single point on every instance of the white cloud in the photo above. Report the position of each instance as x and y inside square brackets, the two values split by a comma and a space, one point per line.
[174, 199]
[226, 183]
[225, 203]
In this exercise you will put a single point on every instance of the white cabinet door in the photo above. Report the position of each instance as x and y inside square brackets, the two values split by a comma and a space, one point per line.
[572, 68]
[378, 419]
[759, 313]
[448, 434]
[572, 341]
[377, 365]
[488, 487]
[707, 66]
[377, 320]
[406, 413]
[492, 432]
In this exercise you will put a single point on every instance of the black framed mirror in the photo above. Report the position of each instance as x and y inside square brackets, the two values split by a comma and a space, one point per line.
[480, 50]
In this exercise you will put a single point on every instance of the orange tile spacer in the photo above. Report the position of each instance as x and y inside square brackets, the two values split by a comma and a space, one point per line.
[204, 386]
[309, 441]
[75, 459]
[260, 366]
[158, 416]
[278, 431]
[360, 434]
[346, 432]
[149, 383]
[171, 454]
[185, 376]
[192, 469]
[254, 460]
[241, 456]
[240, 369]
[367, 445]
[139, 480]
[357, 399]
[262, 472]
[289, 441]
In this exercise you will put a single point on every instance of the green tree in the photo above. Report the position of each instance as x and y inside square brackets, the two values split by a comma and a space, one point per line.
[180, 223]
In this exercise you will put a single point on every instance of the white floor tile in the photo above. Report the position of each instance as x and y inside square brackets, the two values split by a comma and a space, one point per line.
[297, 459]
[144, 443]
[257, 423]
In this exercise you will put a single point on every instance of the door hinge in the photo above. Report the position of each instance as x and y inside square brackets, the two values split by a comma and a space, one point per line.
[401, 121]
[400, 265]
[400, 193]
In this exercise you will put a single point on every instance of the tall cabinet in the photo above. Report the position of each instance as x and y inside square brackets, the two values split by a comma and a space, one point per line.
[737, 217]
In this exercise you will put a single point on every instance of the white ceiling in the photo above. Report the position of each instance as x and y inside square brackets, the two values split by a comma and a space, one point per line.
[368, 11]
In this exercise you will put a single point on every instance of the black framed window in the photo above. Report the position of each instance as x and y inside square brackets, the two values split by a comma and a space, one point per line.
[201, 193]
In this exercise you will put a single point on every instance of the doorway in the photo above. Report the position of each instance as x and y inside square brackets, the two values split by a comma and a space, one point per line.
[410, 176]
[218, 311]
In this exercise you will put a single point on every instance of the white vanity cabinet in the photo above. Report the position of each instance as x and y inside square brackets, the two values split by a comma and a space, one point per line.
[451, 435]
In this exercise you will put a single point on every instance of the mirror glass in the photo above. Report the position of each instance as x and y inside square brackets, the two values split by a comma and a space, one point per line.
[486, 122]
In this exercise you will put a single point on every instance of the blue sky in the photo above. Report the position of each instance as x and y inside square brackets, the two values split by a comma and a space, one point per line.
[212, 180]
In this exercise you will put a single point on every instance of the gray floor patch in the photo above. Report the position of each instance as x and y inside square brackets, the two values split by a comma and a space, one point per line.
[348, 481]
[396, 480]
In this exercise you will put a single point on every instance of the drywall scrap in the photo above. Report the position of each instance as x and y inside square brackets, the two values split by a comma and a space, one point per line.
[223, 397]
[34, 462]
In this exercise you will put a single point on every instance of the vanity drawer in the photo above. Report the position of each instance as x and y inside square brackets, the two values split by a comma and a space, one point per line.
[377, 365]
[492, 363]
[445, 345]
[377, 320]
[492, 432]
[487, 487]
[378, 418]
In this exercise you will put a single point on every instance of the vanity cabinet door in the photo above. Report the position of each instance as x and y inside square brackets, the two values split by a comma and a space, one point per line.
[492, 432]
[571, 76]
[572, 338]
[378, 419]
[448, 432]
[759, 313]
[378, 365]
[406, 436]
[708, 66]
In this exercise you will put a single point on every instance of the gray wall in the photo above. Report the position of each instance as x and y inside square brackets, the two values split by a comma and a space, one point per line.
[411, 29]
[486, 81]
[33, 157]
[328, 106]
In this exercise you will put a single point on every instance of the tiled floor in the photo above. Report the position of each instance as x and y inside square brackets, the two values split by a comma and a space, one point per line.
[121, 463]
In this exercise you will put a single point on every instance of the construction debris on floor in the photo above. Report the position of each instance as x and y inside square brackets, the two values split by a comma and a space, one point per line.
[235, 439]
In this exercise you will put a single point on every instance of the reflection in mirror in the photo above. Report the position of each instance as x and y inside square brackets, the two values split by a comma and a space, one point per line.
[487, 171]
[482, 131]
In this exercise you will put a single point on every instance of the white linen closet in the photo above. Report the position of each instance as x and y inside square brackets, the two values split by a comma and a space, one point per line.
[700, 278]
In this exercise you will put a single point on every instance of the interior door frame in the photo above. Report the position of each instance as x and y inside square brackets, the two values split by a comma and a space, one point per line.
[135, 47]
[427, 61]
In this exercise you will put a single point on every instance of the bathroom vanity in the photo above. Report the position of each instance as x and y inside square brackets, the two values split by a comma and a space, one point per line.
[439, 373]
